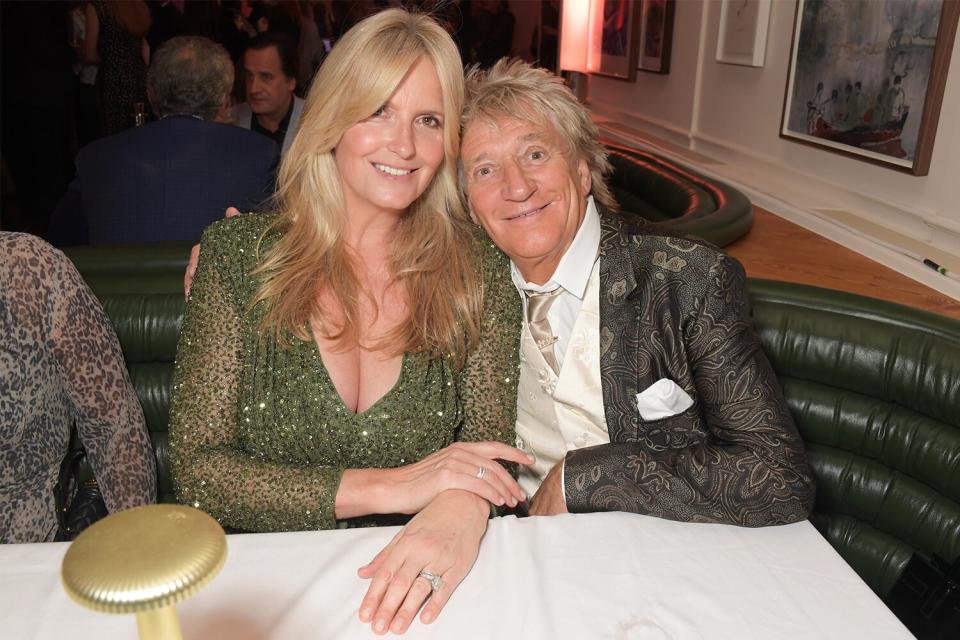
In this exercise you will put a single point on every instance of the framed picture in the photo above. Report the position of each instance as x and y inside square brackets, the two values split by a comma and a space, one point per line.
[743, 32]
[656, 35]
[619, 39]
[866, 78]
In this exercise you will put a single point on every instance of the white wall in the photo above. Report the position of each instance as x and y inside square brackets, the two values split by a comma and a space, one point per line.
[663, 99]
[732, 115]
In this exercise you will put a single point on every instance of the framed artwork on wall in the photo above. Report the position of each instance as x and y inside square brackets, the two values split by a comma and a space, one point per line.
[619, 39]
[743, 32]
[866, 78]
[656, 35]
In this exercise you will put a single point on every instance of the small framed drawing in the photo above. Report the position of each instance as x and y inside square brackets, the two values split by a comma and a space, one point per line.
[743, 32]
[656, 35]
[619, 39]
[866, 79]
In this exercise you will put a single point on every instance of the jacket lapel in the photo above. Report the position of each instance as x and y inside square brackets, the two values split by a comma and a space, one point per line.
[617, 284]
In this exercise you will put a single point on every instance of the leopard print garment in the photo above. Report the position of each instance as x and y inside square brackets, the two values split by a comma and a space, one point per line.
[60, 363]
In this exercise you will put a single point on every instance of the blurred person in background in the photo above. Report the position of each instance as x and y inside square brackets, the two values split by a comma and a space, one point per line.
[270, 73]
[312, 49]
[277, 16]
[168, 180]
[115, 41]
[166, 21]
[491, 32]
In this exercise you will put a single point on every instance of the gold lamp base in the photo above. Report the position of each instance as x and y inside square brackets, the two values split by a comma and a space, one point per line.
[159, 623]
[144, 561]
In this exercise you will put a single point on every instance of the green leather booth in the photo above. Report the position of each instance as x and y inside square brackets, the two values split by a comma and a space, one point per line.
[141, 288]
[874, 388]
[675, 198]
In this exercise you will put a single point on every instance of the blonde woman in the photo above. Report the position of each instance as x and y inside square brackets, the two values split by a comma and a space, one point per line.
[355, 354]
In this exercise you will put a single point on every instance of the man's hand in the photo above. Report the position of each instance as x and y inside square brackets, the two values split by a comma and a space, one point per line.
[195, 257]
[550, 499]
[443, 539]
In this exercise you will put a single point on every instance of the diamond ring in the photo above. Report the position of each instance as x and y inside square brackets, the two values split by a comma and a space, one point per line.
[435, 581]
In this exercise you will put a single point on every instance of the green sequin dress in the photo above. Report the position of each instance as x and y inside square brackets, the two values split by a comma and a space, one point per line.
[259, 436]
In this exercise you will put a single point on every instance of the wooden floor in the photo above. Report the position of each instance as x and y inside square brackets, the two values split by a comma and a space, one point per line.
[780, 250]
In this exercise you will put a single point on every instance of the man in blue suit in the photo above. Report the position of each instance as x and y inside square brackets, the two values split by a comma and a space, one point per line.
[169, 179]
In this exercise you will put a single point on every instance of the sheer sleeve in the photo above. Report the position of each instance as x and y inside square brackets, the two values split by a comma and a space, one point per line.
[491, 372]
[108, 416]
[211, 470]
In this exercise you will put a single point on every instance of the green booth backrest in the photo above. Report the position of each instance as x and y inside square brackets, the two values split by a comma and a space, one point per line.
[874, 388]
[675, 198]
[141, 288]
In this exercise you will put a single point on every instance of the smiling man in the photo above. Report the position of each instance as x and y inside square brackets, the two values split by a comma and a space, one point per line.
[270, 77]
[643, 387]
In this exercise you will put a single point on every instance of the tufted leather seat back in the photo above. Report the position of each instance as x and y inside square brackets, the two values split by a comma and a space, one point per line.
[141, 288]
[677, 199]
[874, 388]
[875, 391]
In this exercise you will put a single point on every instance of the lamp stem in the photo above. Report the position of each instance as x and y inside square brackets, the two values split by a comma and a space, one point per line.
[159, 624]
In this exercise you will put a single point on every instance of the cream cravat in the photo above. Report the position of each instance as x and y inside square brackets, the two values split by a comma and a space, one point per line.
[537, 306]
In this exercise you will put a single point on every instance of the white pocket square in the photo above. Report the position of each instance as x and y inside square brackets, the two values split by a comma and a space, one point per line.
[662, 399]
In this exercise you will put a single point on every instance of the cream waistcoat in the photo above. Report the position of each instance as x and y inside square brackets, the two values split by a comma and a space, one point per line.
[558, 413]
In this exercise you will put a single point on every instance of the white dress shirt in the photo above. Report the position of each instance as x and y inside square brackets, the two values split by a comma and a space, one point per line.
[559, 412]
[572, 275]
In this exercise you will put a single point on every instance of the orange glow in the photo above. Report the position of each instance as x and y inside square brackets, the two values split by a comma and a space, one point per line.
[580, 35]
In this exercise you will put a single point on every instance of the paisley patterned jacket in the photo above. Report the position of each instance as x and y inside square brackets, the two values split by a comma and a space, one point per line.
[676, 308]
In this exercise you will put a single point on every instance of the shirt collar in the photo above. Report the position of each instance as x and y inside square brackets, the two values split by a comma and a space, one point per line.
[573, 271]
[281, 131]
[181, 115]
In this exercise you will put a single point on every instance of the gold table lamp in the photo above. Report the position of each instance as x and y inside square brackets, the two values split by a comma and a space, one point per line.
[144, 561]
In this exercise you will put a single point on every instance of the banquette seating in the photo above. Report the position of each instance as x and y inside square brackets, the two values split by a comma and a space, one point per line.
[141, 288]
[677, 199]
[874, 388]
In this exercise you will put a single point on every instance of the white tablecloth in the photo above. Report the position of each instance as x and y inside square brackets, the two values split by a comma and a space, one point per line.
[611, 575]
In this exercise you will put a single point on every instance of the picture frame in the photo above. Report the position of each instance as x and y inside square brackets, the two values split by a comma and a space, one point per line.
[742, 36]
[619, 39]
[866, 79]
[656, 35]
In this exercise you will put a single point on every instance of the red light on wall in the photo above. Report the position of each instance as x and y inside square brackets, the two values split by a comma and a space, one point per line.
[579, 35]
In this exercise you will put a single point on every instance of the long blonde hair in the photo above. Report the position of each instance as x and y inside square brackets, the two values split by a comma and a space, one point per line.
[431, 258]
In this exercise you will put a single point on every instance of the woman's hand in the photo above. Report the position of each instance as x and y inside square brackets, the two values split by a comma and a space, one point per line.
[443, 539]
[470, 466]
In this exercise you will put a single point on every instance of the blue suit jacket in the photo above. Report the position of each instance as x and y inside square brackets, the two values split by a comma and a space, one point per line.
[165, 181]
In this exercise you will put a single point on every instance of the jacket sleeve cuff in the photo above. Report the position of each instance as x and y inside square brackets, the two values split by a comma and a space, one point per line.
[581, 469]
